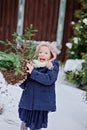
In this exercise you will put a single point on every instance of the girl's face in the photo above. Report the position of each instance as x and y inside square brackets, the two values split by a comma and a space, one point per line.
[44, 54]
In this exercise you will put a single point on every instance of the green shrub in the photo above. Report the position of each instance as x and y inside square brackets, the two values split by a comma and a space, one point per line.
[20, 51]
[8, 61]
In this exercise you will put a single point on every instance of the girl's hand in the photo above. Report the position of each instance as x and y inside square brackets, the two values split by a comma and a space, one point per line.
[30, 67]
[49, 65]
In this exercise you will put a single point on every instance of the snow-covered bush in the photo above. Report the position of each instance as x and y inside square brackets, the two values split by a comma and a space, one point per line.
[72, 70]
[76, 71]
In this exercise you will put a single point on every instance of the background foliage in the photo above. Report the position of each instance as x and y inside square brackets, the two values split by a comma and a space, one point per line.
[79, 39]
[77, 46]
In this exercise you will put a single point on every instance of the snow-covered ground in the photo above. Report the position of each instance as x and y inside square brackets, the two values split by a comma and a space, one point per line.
[71, 111]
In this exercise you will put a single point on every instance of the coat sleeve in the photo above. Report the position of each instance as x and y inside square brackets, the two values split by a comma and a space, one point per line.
[46, 78]
[23, 85]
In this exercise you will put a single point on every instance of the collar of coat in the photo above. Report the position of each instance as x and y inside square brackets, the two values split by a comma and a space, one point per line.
[38, 64]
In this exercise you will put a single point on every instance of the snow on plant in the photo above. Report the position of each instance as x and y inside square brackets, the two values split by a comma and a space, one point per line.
[72, 23]
[69, 45]
[85, 21]
[77, 28]
[75, 39]
[73, 65]
[72, 52]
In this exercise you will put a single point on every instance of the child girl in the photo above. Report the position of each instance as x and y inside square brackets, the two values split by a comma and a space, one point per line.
[38, 97]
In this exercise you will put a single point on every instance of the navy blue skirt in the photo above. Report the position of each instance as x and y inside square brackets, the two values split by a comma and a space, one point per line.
[34, 119]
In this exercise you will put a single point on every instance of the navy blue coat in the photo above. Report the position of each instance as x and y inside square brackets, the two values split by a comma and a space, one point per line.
[39, 89]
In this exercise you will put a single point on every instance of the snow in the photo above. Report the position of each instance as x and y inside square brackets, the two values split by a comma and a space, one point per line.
[73, 65]
[85, 21]
[71, 111]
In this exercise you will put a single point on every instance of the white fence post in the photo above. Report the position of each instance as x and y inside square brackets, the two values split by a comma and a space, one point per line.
[20, 22]
[60, 27]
